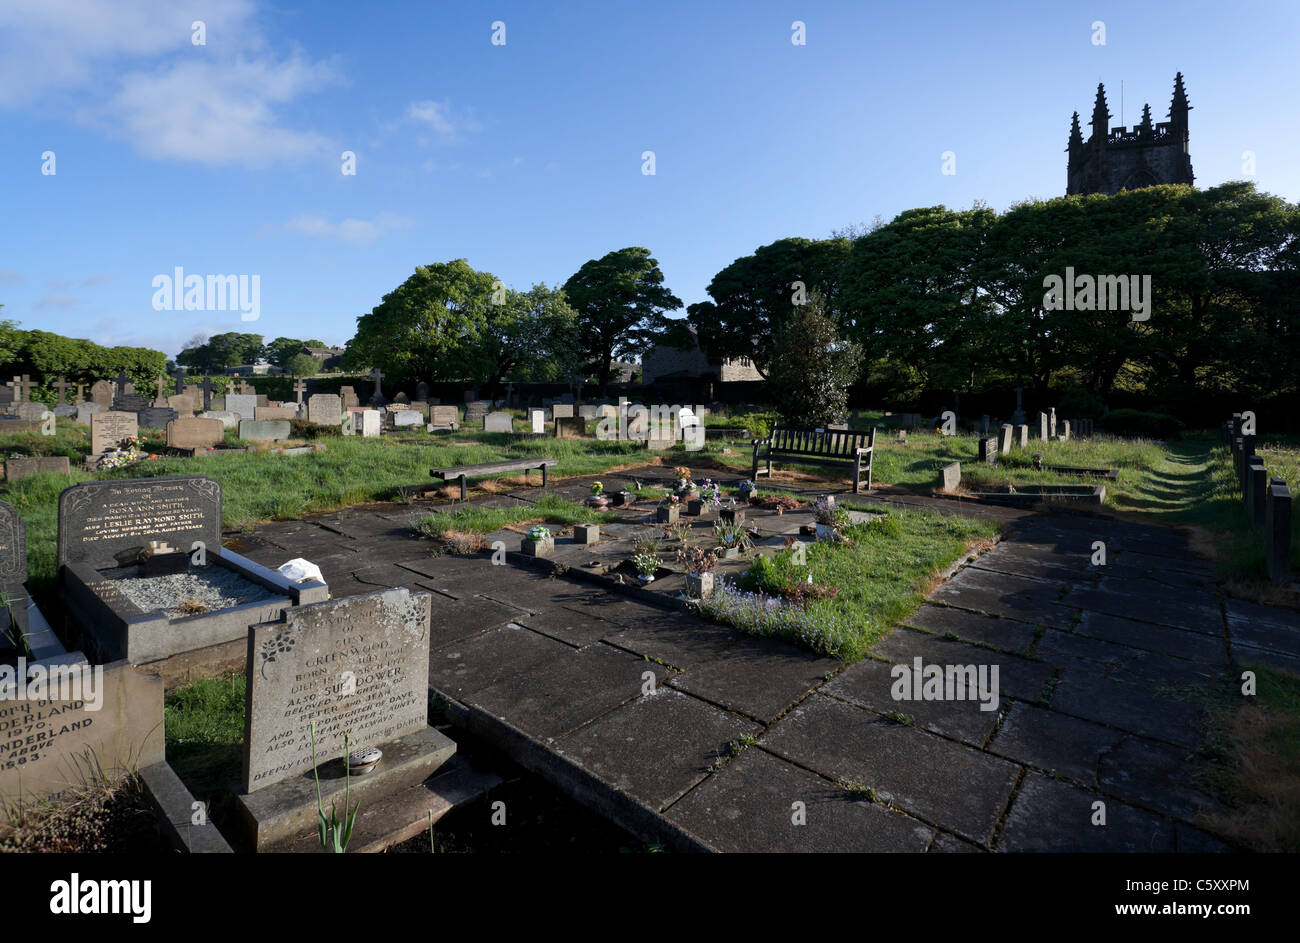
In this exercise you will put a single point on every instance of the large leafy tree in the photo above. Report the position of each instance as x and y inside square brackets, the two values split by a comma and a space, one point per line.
[620, 303]
[817, 366]
[428, 326]
[222, 351]
[527, 335]
[283, 349]
[756, 294]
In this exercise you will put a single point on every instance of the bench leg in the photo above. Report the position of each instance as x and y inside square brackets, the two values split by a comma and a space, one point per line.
[543, 476]
[464, 495]
[857, 476]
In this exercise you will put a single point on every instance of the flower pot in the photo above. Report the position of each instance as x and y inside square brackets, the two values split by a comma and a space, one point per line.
[695, 506]
[745, 496]
[699, 585]
[728, 553]
[599, 501]
[731, 515]
[624, 498]
[646, 579]
[537, 548]
[667, 515]
[827, 532]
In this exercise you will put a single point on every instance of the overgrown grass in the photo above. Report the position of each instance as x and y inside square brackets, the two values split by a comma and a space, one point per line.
[551, 509]
[882, 574]
[204, 722]
[1260, 772]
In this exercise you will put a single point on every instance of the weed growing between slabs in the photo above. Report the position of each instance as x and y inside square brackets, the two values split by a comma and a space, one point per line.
[879, 575]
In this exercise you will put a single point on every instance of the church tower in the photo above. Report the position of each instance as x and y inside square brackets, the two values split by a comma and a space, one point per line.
[1114, 159]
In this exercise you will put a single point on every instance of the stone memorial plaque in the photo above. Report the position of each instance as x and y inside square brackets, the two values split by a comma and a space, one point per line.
[272, 430]
[357, 666]
[108, 429]
[266, 413]
[156, 418]
[499, 422]
[562, 411]
[193, 433]
[97, 722]
[406, 418]
[13, 552]
[447, 416]
[370, 422]
[102, 520]
[228, 419]
[325, 409]
[243, 404]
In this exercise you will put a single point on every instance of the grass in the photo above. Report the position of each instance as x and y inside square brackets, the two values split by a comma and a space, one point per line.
[881, 573]
[483, 520]
[1259, 773]
[204, 722]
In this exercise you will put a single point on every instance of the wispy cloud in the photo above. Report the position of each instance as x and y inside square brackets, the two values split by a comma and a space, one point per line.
[59, 301]
[9, 277]
[358, 232]
[441, 118]
[136, 73]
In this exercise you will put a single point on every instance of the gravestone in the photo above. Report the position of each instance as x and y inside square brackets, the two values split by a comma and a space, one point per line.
[85, 411]
[588, 411]
[1065, 431]
[1022, 435]
[370, 422]
[406, 418]
[132, 403]
[569, 426]
[401, 399]
[562, 411]
[421, 392]
[1004, 439]
[183, 403]
[499, 422]
[356, 666]
[325, 409]
[243, 404]
[190, 432]
[444, 417]
[17, 469]
[349, 396]
[31, 412]
[984, 424]
[1051, 423]
[104, 523]
[228, 419]
[108, 429]
[1042, 426]
[98, 723]
[101, 393]
[13, 553]
[951, 476]
[988, 450]
[271, 430]
[537, 417]
[155, 418]
[65, 412]
[268, 413]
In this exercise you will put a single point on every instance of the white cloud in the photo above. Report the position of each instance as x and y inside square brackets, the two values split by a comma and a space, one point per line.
[357, 232]
[58, 301]
[135, 72]
[9, 277]
[439, 118]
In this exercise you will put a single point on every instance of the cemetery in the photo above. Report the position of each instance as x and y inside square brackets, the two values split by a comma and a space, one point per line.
[874, 540]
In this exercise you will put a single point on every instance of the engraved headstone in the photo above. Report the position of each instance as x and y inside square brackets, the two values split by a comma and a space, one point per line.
[356, 666]
[325, 409]
[155, 418]
[108, 429]
[569, 426]
[537, 417]
[271, 430]
[243, 404]
[499, 422]
[1004, 439]
[100, 521]
[444, 417]
[407, 418]
[228, 419]
[562, 410]
[193, 433]
[262, 413]
[13, 552]
[370, 422]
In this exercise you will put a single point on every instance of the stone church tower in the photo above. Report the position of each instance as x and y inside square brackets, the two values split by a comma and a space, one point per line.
[1115, 159]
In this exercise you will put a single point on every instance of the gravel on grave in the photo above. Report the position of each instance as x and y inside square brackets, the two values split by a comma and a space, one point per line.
[214, 587]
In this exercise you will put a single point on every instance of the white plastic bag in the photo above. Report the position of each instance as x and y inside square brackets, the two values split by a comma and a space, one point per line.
[300, 571]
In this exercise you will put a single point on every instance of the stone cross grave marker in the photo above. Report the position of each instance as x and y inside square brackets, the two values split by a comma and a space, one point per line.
[377, 398]
[355, 666]
[61, 385]
[300, 387]
[102, 523]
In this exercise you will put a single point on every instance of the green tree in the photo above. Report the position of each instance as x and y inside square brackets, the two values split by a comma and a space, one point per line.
[530, 335]
[222, 351]
[620, 301]
[817, 366]
[302, 365]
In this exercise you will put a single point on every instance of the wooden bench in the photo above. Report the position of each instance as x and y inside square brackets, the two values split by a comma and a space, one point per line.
[463, 472]
[848, 447]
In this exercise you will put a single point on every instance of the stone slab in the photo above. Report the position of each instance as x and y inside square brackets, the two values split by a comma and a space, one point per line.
[195, 433]
[758, 677]
[252, 430]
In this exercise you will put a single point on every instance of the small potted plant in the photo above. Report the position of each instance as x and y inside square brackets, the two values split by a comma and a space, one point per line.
[669, 510]
[710, 497]
[598, 499]
[646, 564]
[746, 491]
[733, 540]
[829, 517]
[538, 542]
[685, 487]
[699, 565]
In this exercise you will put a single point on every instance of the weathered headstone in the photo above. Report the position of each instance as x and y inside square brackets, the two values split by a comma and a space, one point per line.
[271, 430]
[588, 411]
[1004, 439]
[155, 418]
[562, 411]
[31, 412]
[444, 417]
[1042, 427]
[228, 419]
[370, 422]
[13, 552]
[951, 476]
[101, 393]
[407, 418]
[356, 666]
[325, 409]
[193, 433]
[102, 521]
[18, 468]
[569, 426]
[242, 403]
[349, 396]
[537, 418]
[988, 450]
[499, 422]
[85, 411]
[108, 429]
[1022, 435]
[1051, 423]
[268, 413]
[183, 403]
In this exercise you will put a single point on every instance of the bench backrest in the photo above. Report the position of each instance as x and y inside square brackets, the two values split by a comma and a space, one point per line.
[829, 442]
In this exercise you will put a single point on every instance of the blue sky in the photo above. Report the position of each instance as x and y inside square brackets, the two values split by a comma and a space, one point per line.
[525, 158]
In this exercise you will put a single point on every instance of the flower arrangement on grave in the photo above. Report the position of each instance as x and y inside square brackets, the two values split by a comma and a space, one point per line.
[732, 535]
[710, 493]
[746, 489]
[128, 452]
[597, 488]
[646, 564]
[683, 476]
[539, 533]
[830, 518]
[597, 499]
[671, 500]
[696, 560]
